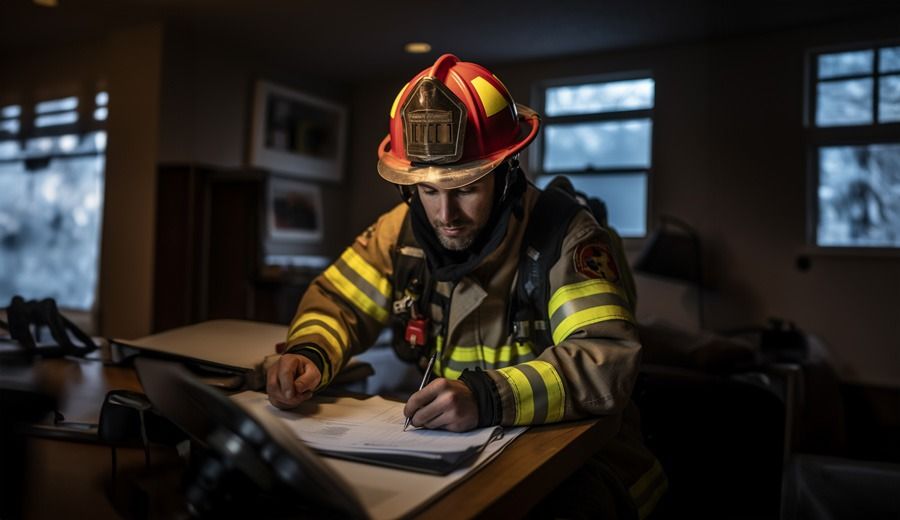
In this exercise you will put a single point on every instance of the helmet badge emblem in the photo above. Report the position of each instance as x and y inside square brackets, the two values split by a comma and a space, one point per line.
[434, 122]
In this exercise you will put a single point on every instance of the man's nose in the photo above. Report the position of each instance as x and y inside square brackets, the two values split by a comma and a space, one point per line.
[448, 210]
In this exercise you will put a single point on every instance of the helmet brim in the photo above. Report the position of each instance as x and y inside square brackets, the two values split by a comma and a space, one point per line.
[457, 175]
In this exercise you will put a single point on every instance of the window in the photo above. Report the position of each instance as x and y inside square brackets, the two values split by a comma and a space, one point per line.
[599, 134]
[855, 151]
[51, 199]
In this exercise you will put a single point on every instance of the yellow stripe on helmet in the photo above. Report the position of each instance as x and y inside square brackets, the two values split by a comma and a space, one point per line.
[491, 98]
[397, 100]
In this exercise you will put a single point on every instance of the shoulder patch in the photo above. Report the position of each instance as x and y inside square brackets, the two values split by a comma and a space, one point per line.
[595, 260]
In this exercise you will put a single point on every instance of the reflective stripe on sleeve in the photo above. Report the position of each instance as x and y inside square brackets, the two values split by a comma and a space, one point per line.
[361, 284]
[327, 328]
[537, 390]
[480, 356]
[584, 303]
[647, 491]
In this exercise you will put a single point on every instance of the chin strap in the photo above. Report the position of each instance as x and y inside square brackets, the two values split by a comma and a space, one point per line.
[512, 169]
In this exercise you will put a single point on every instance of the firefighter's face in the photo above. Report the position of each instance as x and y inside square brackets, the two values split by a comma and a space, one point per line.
[458, 215]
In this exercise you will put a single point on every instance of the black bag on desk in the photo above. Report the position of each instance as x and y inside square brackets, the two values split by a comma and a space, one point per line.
[28, 321]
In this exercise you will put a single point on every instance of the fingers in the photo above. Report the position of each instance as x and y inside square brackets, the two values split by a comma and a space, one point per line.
[291, 380]
[443, 404]
[308, 378]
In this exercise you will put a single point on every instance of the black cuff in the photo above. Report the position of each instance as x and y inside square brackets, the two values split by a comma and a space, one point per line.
[486, 395]
[308, 351]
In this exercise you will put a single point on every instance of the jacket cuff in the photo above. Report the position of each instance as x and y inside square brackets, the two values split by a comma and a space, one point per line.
[486, 395]
[310, 352]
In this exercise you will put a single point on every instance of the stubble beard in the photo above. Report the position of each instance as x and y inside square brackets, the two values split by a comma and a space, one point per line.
[459, 243]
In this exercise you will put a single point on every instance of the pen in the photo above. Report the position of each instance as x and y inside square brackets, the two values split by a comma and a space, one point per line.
[422, 384]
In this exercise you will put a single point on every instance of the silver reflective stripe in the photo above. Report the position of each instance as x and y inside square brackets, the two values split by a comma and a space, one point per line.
[361, 283]
[539, 392]
[585, 302]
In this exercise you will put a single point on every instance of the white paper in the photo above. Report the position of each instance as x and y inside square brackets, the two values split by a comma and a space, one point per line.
[374, 424]
[385, 492]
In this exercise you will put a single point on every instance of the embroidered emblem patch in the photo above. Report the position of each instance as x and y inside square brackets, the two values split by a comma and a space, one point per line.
[596, 261]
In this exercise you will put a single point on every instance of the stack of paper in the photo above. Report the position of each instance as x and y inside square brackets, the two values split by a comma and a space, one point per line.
[371, 430]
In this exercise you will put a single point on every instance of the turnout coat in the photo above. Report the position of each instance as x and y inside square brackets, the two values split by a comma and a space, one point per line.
[589, 370]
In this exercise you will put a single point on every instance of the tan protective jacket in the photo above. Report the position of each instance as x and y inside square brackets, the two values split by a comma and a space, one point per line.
[590, 370]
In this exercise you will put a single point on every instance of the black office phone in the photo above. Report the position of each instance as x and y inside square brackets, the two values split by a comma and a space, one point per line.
[249, 461]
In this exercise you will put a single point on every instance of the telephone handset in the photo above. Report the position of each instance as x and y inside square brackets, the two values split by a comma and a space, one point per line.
[243, 449]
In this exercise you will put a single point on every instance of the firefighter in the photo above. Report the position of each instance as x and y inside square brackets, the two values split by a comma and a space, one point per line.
[440, 268]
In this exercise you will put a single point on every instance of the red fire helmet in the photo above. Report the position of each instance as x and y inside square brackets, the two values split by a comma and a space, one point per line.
[451, 125]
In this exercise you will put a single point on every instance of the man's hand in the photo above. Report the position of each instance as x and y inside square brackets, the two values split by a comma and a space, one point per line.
[291, 380]
[443, 404]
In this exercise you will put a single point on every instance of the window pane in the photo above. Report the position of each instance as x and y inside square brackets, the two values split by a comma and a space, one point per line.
[859, 196]
[609, 144]
[845, 64]
[625, 196]
[844, 102]
[889, 99]
[57, 105]
[889, 61]
[61, 118]
[50, 230]
[593, 98]
[9, 126]
[11, 111]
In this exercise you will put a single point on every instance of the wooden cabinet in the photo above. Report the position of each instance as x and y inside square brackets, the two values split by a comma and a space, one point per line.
[209, 243]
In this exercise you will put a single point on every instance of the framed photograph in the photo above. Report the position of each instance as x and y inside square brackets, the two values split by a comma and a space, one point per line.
[293, 211]
[297, 134]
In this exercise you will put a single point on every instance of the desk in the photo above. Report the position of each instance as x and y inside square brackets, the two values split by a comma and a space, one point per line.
[508, 487]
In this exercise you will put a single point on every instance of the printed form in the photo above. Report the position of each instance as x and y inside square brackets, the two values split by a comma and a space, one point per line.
[365, 425]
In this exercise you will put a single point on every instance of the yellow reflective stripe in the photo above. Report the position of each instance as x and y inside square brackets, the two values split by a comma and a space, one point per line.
[327, 320]
[369, 273]
[522, 394]
[639, 488]
[589, 316]
[556, 394]
[580, 290]
[357, 297]
[538, 392]
[490, 355]
[491, 98]
[647, 507]
[397, 100]
[439, 350]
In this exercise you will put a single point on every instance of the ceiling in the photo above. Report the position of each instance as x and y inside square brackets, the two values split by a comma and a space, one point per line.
[350, 40]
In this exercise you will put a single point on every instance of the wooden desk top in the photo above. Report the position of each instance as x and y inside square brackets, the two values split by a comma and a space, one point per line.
[525, 472]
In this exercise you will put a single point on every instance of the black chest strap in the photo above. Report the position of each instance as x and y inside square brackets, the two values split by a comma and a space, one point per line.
[554, 210]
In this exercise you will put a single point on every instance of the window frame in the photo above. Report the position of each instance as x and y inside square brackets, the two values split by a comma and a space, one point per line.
[817, 137]
[536, 152]
[85, 124]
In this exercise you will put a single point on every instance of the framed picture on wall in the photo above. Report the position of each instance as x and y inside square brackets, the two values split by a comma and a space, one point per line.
[297, 134]
[293, 211]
